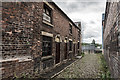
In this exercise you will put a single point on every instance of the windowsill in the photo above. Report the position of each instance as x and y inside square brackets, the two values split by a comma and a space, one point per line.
[19, 59]
[65, 60]
[70, 51]
[45, 22]
[46, 57]
[58, 64]
[70, 34]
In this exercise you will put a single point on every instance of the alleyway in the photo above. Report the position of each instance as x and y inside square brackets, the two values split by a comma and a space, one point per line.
[87, 67]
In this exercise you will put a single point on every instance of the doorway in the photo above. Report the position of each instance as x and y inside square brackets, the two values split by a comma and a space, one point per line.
[57, 60]
[74, 50]
[66, 52]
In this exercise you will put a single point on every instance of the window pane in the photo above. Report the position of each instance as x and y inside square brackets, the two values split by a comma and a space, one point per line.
[47, 14]
[46, 46]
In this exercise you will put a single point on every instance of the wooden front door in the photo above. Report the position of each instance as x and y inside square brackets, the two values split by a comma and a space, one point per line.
[74, 50]
[57, 60]
[65, 51]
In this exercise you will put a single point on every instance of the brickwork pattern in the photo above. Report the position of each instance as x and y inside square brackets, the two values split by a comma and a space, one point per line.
[22, 23]
[111, 40]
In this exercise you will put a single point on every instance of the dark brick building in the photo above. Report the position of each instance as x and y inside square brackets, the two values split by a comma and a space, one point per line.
[111, 37]
[36, 37]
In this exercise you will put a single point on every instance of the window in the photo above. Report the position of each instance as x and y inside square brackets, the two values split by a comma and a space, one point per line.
[47, 46]
[70, 30]
[47, 14]
[70, 45]
[78, 45]
[78, 34]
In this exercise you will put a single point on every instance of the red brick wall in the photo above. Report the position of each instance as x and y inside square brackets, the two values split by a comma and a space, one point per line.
[111, 40]
[17, 37]
[21, 36]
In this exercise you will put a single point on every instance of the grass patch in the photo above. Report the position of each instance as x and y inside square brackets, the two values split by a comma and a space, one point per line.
[104, 68]
[82, 54]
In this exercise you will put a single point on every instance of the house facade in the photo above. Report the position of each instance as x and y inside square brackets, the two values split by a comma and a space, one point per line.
[88, 49]
[36, 37]
[111, 37]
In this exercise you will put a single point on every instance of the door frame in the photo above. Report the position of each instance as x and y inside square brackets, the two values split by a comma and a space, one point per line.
[66, 51]
[58, 41]
[74, 49]
[57, 53]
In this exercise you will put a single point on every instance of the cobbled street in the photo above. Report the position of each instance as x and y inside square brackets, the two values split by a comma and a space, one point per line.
[87, 67]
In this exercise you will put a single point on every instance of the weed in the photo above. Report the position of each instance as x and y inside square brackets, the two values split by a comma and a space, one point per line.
[105, 71]
[82, 54]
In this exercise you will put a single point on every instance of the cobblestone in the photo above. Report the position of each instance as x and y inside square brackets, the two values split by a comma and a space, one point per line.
[87, 67]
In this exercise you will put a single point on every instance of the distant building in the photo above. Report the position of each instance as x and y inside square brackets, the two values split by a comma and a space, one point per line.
[90, 48]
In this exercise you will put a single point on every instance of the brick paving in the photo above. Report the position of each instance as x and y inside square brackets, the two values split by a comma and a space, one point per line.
[87, 67]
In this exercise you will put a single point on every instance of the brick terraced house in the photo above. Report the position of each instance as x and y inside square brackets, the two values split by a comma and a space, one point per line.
[36, 37]
[111, 37]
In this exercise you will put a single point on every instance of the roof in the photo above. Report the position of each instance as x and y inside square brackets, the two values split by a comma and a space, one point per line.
[65, 15]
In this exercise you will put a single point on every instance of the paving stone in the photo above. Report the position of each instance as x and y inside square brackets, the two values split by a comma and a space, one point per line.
[87, 67]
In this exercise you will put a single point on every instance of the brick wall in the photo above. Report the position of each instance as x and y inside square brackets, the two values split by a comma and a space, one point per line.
[22, 27]
[111, 39]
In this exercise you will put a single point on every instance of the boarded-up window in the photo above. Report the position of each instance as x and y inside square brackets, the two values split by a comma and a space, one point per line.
[47, 14]
[47, 46]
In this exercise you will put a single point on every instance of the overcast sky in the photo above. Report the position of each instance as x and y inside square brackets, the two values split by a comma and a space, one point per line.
[89, 12]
